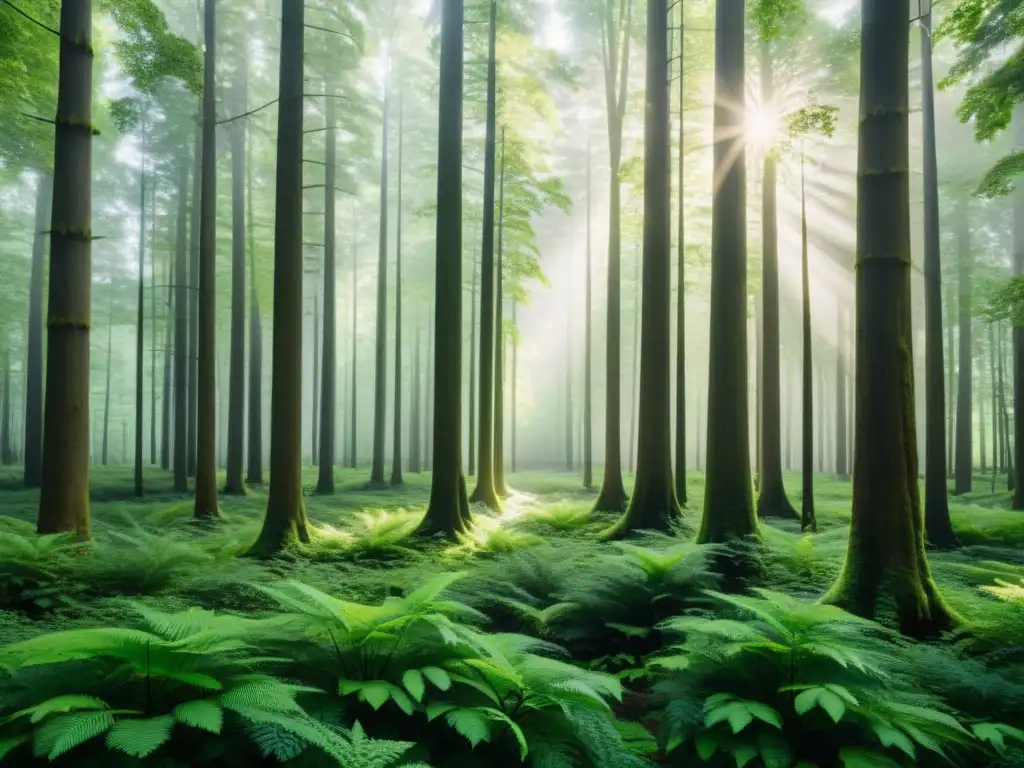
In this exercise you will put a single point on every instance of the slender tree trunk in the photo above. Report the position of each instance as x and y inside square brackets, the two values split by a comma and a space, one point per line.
[980, 373]
[951, 384]
[428, 403]
[1018, 332]
[588, 407]
[354, 415]
[569, 415]
[615, 58]
[808, 520]
[64, 500]
[34, 380]
[758, 382]
[653, 504]
[499, 341]
[181, 306]
[152, 331]
[165, 413]
[286, 523]
[772, 500]
[6, 449]
[329, 366]
[997, 445]
[472, 368]
[680, 454]
[886, 568]
[1007, 435]
[236, 373]
[448, 510]
[415, 440]
[515, 381]
[842, 462]
[396, 455]
[206, 435]
[315, 394]
[380, 358]
[965, 410]
[140, 352]
[254, 462]
[193, 302]
[106, 397]
[634, 395]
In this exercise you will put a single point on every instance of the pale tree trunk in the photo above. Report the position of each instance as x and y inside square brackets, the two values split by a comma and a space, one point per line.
[34, 380]
[396, 455]
[329, 366]
[140, 364]
[380, 368]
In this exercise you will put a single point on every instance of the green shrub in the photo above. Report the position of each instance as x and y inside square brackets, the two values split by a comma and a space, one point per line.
[34, 571]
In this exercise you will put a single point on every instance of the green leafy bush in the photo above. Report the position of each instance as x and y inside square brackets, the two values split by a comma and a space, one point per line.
[34, 570]
[788, 682]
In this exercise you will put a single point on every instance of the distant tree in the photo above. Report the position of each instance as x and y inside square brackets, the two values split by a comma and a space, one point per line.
[329, 366]
[396, 455]
[380, 350]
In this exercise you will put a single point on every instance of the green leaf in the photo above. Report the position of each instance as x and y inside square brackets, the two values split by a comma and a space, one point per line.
[743, 754]
[375, 693]
[198, 679]
[438, 677]
[472, 724]
[775, 752]
[10, 744]
[706, 744]
[401, 698]
[628, 630]
[413, 682]
[995, 733]
[439, 708]
[201, 713]
[140, 738]
[65, 732]
[497, 714]
[66, 703]
[855, 757]
[829, 701]
[891, 737]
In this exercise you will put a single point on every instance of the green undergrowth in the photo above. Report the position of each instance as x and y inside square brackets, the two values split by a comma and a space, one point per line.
[554, 650]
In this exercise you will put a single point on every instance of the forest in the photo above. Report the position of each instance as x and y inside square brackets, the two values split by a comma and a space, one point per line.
[486, 383]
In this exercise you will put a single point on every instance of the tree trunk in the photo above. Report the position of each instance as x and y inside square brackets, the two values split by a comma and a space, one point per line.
[329, 366]
[165, 413]
[206, 435]
[951, 383]
[64, 500]
[354, 415]
[415, 416]
[428, 403]
[842, 462]
[964, 403]
[485, 492]
[472, 366]
[448, 510]
[152, 331]
[286, 523]
[633, 393]
[236, 372]
[997, 445]
[653, 504]
[569, 458]
[698, 411]
[612, 497]
[1017, 501]
[315, 394]
[106, 389]
[499, 342]
[396, 454]
[680, 465]
[140, 352]
[980, 373]
[1007, 435]
[193, 302]
[588, 415]
[254, 468]
[515, 380]
[808, 520]
[772, 500]
[6, 450]
[34, 380]
[380, 375]
[886, 568]
[181, 305]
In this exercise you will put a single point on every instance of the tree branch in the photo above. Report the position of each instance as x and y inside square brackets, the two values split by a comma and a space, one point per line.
[38, 23]
[247, 114]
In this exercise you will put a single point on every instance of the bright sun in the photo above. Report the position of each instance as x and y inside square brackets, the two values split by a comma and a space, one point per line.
[762, 129]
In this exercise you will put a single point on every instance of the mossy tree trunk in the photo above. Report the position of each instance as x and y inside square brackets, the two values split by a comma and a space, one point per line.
[286, 523]
[728, 501]
[680, 433]
[236, 373]
[484, 492]
[886, 568]
[380, 368]
[448, 509]
[396, 453]
[616, 37]
[64, 499]
[808, 520]
[34, 366]
[206, 429]
[193, 300]
[254, 453]
[772, 500]
[653, 504]
[181, 304]
[329, 366]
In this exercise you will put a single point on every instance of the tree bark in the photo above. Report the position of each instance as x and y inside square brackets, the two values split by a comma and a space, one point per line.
[34, 373]
[997, 445]
[165, 412]
[6, 449]
[106, 396]
[206, 396]
[64, 499]
[354, 415]
[472, 366]
[380, 376]
[772, 500]
[329, 366]
[499, 342]
[254, 468]
[886, 568]
[951, 384]
[1017, 502]
[140, 353]
[396, 454]
[236, 373]
[653, 503]
[808, 520]
[152, 329]
[195, 236]
[980, 373]
[964, 457]
[448, 509]
[415, 417]
[634, 389]
[680, 453]
[315, 394]
[842, 462]
[588, 406]
[181, 307]
[286, 523]
[1004, 411]
[428, 403]
[515, 380]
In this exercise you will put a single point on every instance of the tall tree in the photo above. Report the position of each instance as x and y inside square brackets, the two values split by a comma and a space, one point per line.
[615, 45]
[354, 411]
[728, 502]
[964, 448]
[140, 359]
[653, 504]
[842, 462]
[472, 363]
[286, 523]
[588, 339]
[680, 452]
[34, 373]
[329, 367]
[1017, 502]
[380, 357]
[165, 413]
[254, 458]
[634, 390]
[886, 568]
[448, 510]
[106, 388]
[64, 499]
[236, 372]
[396, 455]
[515, 380]
[195, 223]
[415, 405]
[499, 348]
[484, 492]
[315, 394]
[206, 429]
[181, 304]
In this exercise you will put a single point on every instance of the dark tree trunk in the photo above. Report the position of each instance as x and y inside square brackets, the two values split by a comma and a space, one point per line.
[329, 367]
[997, 445]
[485, 492]
[808, 520]
[206, 434]
[699, 463]
[34, 380]
[758, 381]
[193, 302]
[396, 455]
[842, 462]
[964, 406]
[165, 413]
[64, 500]
[680, 453]
[937, 525]
[380, 368]
[415, 416]
[6, 449]
[315, 394]
[569, 457]
[886, 568]
[140, 352]
[428, 403]
[286, 523]
[1007, 436]
[515, 380]
[106, 389]
[634, 390]
[728, 502]
[772, 500]
[615, 60]
[653, 504]
[950, 384]
[499, 342]
[588, 342]
[472, 367]
[152, 331]
[181, 305]
[980, 373]
[1018, 332]
[254, 468]
[354, 411]
[448, 510]
[236, 373]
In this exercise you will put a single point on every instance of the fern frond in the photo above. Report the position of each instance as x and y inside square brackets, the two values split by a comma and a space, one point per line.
[63, 733]
[140, 738]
